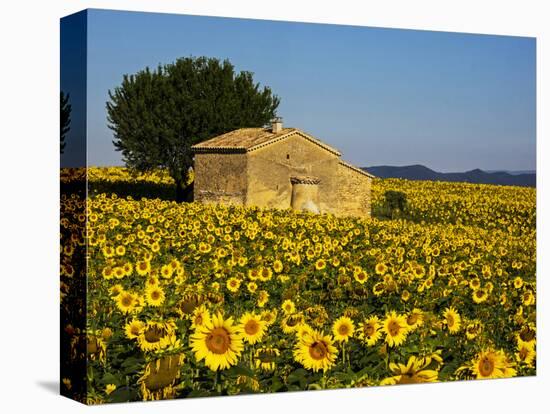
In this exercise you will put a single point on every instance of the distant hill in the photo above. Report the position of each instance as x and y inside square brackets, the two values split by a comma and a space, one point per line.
[513, 172]
[477, 176]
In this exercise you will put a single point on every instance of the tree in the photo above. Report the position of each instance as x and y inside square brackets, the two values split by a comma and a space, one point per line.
[395, 201]
[65, 119]
[157, 115]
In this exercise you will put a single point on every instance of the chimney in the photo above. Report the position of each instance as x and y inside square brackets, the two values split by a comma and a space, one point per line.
[277, 125]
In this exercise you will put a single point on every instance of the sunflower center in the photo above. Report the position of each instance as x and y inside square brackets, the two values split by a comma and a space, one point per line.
[198, 320]
[411, 320]
[527, 334]
[188, 306]
[252, 327]
[218, 341]
[292, 322]
[394, 328]
[154, 334]
[450, 321]
[486, 366]
[343, 329]
[134, 330]
[318, 350]
[155, 295]
[523, 353]
[126, 300]
[369, 330]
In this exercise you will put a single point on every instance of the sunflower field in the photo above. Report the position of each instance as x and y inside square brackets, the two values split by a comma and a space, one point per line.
[189, 300]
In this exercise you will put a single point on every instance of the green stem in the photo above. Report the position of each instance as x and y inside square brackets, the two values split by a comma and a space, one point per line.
[217, 384]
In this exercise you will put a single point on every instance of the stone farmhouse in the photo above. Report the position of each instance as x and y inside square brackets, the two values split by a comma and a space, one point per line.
[278, 167]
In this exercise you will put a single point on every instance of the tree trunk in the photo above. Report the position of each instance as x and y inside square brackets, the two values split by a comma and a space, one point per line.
[184, 193]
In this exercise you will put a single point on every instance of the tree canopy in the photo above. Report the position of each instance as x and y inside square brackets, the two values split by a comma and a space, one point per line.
[157, 115]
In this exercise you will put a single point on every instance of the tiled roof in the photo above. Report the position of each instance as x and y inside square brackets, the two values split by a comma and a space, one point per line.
[250, 139]
[354, 168]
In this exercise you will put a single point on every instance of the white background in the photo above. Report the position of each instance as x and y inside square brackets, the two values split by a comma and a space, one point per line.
[29, 160]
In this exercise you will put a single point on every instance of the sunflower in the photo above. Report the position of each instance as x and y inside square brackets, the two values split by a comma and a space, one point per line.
[151, 281]
[343, 328]
[116, 290]
[133, 328]
[288, 307]
[518, 282]
[252, 287]
[154, 296]
[452, 319]
[291, 323]
[302, 330]
[107, 273]
[155, 336]
[253, 274]
[253, 328]
[269, 317]
[200, 317]
[378, 288]
[473, 329]
[320, 264]
[109, 388]
[265, 274]
[128, 268]
[265, 359]
[263, 297]
[218, 342]
[526, 353]
[143, 267]
[278, 266]
[316, 351]
[360, 276]
[369, 330]
[492, 364]
[159, 376]
[108, 251]
[475, 283]
[380, 268]
[233, 284]
[480, 295]
[395, 328]
[166, 271]
[188, 303]
[527, 334]
[415, 372]
[527, 298]
[119, 272]
[415, 319]
[96, 347]
[126, 301]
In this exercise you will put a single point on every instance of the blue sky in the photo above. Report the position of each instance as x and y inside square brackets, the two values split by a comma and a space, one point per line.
[450, 101]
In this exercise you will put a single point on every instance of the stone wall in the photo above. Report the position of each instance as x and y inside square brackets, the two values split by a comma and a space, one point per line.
[263, 177]
[220, 178]
[270, 169]
[354, 189]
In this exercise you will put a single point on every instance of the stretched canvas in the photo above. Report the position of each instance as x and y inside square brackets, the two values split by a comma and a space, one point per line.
[253, 206]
